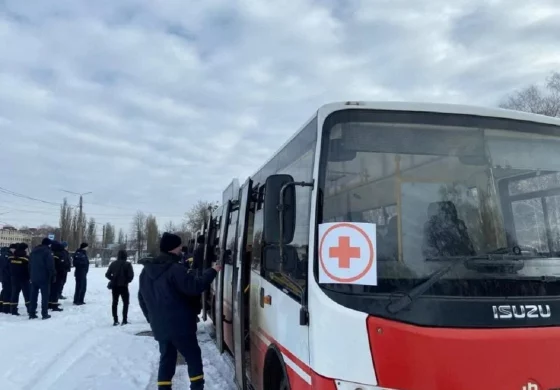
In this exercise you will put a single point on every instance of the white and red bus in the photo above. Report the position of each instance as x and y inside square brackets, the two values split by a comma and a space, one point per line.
[462, 260]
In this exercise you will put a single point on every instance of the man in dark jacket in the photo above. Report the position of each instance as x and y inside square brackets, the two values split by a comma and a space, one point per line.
[4, 263]
[59, 271]
[120, 273]
[165, 286]
[6, 275]
[41, 268]
[81, 269]
[19, 269]
[67, 265]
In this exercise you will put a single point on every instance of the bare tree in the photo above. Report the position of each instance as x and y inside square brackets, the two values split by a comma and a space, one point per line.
[537, 100]
[108, 235]
[152, 235]
[198, 215]
[91, 233]
[170, 227]
[65, 221]
[120, 240]
[138, 231]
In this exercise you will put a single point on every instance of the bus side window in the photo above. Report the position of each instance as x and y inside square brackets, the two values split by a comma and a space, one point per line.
[256, 257]
[301, 170]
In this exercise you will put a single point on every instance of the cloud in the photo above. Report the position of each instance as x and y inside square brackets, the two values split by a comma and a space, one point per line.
[153, 105]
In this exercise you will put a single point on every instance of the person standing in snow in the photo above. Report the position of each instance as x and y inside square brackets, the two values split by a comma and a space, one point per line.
[165, 286]
[81, 269]
[19, 269]
[42, 272]
[120, 275]
[5, 293]
[60, 270]
[67, 265]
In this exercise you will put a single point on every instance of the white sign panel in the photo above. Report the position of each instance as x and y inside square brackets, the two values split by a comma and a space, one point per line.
[348, 253]
[51, 237]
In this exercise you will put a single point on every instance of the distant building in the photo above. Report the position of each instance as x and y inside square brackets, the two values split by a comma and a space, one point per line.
[10, 235]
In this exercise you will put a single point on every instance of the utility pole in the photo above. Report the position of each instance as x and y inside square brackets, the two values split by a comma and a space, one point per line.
[103, 239]
[81, 215]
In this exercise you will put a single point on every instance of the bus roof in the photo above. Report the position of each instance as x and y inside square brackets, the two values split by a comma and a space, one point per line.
[440, 108]
[443, 108]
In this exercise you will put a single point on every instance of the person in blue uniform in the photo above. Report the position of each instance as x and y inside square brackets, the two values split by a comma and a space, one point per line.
[67, 264]
[5, 253]
[81, 269]
[165, 286]
[6, 275]
[19, 269]
[59, 272]
[41, 268]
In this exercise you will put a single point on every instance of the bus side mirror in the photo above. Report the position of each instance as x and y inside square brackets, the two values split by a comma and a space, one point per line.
[275, 205]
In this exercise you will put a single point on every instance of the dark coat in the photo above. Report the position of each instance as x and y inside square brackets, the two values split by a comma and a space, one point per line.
[165, 289]
[120, 272]
[81, 263]
[19, 265]
[41, 265]
[59, 266]
[66, 260]
[5, 264]
[198, 258]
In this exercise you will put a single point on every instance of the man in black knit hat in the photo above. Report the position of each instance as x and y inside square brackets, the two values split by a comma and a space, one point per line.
[19, 269]
[81, 269]
[165, 286]
[42, 272]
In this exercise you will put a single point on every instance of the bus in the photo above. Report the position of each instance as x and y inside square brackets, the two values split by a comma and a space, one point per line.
[401, 246]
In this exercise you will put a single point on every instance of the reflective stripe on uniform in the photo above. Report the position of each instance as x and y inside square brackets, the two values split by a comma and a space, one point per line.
[164, 383]
[196, 378]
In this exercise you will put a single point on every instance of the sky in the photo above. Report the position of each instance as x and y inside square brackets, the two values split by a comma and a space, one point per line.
[153, 105]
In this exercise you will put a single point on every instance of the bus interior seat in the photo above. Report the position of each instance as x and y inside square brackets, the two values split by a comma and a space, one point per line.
[444, 233]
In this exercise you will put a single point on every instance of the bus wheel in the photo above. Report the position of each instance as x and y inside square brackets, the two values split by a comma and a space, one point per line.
[275, 376]
[284, 384]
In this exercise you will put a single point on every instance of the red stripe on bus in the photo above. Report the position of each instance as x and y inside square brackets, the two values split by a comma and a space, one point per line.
[285, 351]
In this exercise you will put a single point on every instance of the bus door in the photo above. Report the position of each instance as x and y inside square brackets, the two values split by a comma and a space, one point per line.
[209, 236]
[219, 321]
[241, 283]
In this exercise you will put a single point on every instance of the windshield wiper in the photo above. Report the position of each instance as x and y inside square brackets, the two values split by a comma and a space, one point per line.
[405, 300]
[476, 263]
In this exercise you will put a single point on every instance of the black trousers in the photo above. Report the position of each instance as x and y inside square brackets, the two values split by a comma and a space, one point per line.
[63, 278]
[19, 286]
[54, 293]
[123, 293]
[81, 287]
[187, 345]
[6, 295]
[44, 288]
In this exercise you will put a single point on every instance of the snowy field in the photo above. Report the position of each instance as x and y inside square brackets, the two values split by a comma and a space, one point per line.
[79, 349]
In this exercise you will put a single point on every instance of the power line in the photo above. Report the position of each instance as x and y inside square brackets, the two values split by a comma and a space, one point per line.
[16, 194]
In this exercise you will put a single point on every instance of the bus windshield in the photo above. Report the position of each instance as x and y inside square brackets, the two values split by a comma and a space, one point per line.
[443, 187]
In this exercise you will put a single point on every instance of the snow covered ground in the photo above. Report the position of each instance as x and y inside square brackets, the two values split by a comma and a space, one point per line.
[79, 349]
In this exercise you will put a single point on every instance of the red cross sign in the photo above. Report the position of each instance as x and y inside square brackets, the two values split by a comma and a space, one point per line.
[347, 253]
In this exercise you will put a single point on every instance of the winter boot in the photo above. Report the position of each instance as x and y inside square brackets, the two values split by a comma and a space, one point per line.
[46, 317]
[33, 316]
[115, 321]
[197, 385]
[57, 308]
[62, 297]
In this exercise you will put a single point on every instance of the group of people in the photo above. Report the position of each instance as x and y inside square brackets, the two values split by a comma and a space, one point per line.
[44, 271]
[169, 295]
